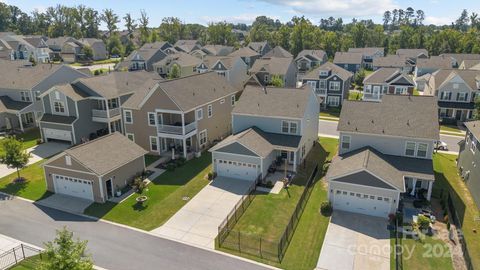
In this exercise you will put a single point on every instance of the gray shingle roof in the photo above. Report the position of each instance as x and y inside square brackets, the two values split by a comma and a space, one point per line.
[395, 115]
[474, 128]
[319, 54]
[181, 58]
[218, 50]
[460, 57]
[273, 102]
[396, 61]
[367, 50]
[386, 75]
[11, 106]
[342, 73]
[411, 53]
[244, 52]
[441, 76]
[51, 118]
[272, 65]
[348, 58]
[437, 62]
[16, 76]
[279, 52]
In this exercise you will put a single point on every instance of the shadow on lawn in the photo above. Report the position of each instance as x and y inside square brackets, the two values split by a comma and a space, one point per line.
[318, 155]
[183, 174]
[14, 188]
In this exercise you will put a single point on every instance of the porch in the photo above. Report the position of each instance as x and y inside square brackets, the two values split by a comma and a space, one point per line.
[175, 123]
[172, 148]
[418, 188]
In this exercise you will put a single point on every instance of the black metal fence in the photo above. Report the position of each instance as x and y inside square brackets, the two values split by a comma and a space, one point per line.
[17, 254]
[272, 250]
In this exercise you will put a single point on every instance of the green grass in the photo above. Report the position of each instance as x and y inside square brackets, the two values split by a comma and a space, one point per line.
[34, 188]
[416, 92]
[30, 263]
[446, 177]
[355, 96]
[430, 253]
[450, 128]
[330, 113]
[29, 138]
[268, 215]
[164, 197]
[149, 159]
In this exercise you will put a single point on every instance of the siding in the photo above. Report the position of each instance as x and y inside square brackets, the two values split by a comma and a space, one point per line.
[466, 159]
[84, 124]
[267, 124]
[122, 175]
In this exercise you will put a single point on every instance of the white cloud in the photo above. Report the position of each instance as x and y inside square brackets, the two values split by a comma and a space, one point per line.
[438, 20]
[246, 18]
[347, 8]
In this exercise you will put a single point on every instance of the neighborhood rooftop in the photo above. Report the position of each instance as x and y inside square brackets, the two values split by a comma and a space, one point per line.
[17, 75]
[272, 65]
[474, 128]
[328, 66]
[348, 58]
[387, 75]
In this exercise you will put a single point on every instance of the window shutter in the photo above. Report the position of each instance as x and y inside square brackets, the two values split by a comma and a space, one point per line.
[458, 96]
[450, 96]
[442, 94]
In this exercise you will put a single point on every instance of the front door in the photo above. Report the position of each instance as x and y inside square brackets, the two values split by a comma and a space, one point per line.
[291, 157]
[458, 115]
[109, 188]
[163, 145]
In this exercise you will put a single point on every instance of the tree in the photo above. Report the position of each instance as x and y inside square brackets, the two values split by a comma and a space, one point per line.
[111, 19]
[277, 81]
[420, 17]
[65, 253]
[87, 52]
[171, 29]
[14, 156]
[174, 72]
[114, 45]
[462, 22]
[220, 33]
[359, 77]
[387, 17]
[144, 31]
[130, 25]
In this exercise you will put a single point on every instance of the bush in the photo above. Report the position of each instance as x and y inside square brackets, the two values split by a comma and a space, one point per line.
[138, 184]
[171, 167]
[211, 175]
[326, 208]
[423, 222]
[269, 184]
[180, 161]
[39, 141]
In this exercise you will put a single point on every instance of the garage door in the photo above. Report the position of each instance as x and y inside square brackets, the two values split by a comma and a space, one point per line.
[366, 204]
[57, 134]
[239, 170]
[73, 187]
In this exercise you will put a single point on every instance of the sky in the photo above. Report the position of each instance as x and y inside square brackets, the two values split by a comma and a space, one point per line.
[245, 11]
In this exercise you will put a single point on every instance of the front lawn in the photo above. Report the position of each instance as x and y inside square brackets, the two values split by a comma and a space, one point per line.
[450, 128]
[30, 263]
[29, 138]
[34, 188]
[429, 253]
[446, 177]
[165, 197]
[330, 113]
[268, 215]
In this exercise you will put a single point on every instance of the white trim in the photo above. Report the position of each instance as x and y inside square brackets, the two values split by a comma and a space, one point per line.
[125, 117]
[357, 185]
[349, 143]
[196, 114]
[150, 143]
[100, 180]
[154, 119]
[66, 169]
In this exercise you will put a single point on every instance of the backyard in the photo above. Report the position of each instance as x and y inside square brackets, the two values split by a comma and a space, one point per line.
[165, 197]
[30, 263]
[451, 129]
[355, 95]
[269, 214]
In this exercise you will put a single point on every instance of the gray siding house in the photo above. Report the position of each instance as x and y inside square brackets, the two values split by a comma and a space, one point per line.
[351, 61]
[369, 54]
[432, 64]
[145, 57]
[387, 81]
[264, 68]
[307, 60]
[469, 159]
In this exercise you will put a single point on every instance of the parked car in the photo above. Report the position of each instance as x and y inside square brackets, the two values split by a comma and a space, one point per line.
[439, 145]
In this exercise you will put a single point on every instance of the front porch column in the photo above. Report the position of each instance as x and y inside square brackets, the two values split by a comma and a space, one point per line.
[429, 192]
[183, 124]
[109, 128]
[295, 161]
[20, 122]
[414, 184]
[185, 148]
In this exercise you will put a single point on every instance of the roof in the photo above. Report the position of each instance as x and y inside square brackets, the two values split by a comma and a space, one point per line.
[258, 46]
[280, 52]
[474, 128]
[211, 60]
[386, 75]
[460, 57]
[367, 50]
[340, 72]
[437, 62]
[15, 75]
[395, 115]
[318, 54]
[411, 53]
[244, 52]
[470, 63]
[273, 102]
[11, 106]
[103, 154]
[272, 65]
[348, 58]
[397, 61]
[219, 50]
[90, 41]
[442, 76]
[391, 169]
[187, 45]
[73, 92]
[181, 58]
[57, 119]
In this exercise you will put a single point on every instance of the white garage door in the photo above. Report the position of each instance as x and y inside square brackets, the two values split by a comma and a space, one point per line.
[240, 170]
[57, 134]
[73, 187]
[366, 204]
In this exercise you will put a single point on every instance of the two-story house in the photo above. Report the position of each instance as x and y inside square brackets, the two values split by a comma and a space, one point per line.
[187, 45]
[20, 87]
[24, 48]
[394, 61]
[247, 55]
[369, 54]
[385, 154]
[307, 60]
[99, 50]
[387, 81]
[91, 107]
[262, 47]
[234, 69]
[432, 64]
[458, 58]
[413, 54]
[268, 124]
[145, 57]
[267, 67]
[181, 117]
[469, 159]
[330, 82]
[186, 63]
[350, 61]
[456, 90]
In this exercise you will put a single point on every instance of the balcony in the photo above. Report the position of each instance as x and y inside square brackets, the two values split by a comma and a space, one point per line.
[177, 129]
[104, 115]
[321, 92]
[374, 97]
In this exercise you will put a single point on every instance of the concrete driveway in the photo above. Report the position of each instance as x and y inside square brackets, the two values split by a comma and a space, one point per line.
[65, 203]
[197, 222]
[355, 241]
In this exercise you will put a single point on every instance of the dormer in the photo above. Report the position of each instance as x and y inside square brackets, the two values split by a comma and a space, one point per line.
[324, 73]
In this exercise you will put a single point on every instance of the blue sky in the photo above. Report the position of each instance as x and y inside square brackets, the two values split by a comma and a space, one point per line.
[245, 11]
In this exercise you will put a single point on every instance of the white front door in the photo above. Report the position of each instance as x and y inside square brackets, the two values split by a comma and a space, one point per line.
[73, 187]
[367, 204]
[239, 170]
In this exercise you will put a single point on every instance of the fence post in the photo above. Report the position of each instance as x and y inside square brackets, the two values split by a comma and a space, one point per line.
[15, 256]
[23, 251]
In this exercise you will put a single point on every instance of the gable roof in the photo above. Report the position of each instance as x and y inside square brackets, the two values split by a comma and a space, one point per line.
[70, 90]
[211, 60]
[474, 128]
[258, 46]
[187, 45]
[436, 62]
[181, 58]
[348, 58]
[395, 115]
[218, 50]
[244, 52]
[11, 106]
[340, 72]
[273, 102]
[103, 154]
[396, 61]
[317, 54]
[387, 75]
[442, 76]
[367, 50]
[280, 52]
[460, 57]
[16, 75]
[272, 65]
[412, 53]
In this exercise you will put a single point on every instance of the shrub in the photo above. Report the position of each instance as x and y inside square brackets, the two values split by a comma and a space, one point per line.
[326, 208]
[138, 184]
[180, 162]
[171, 167]
[269, 184]
[39, 141]
[423, 222]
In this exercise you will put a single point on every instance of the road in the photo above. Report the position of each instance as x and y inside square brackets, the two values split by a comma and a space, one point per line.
[111, 246]
[329, 128]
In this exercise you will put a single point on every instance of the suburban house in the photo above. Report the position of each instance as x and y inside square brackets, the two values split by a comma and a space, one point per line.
[95, 170]
[352, 62]
[217, 50]
[20, 87]
[268, 124]
[413, 54]
[56, 46]
[24, 47]
[422, 81]
[394, 61]
[6, 51]
[187, 46]
[185, 62]
[180, 117]
[455, 90]
[387, 81]
[38, 48]
[330, 82]
[385, 154]
[470, 64]
[278, 52]
[99, 50]
[233, 69]
[369, 54]
[145, 57]
[432, 64]
[458, 58]
[91, 107]
[307, 60]
[247, 55]
[261, 47]
[266, 67]
[469, 159]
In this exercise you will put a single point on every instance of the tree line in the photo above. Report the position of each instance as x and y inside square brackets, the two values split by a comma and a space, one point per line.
[400, 29]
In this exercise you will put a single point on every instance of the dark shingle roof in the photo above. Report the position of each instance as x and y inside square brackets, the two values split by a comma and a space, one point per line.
[474, 128]
[342, 73]
[9, 105]
[51, 118]
[395, 115]
[14, 75]
[386, 75]
[348, 58]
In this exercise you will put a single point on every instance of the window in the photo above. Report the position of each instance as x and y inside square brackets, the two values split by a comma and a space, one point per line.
[333, 101]
[232, 100]
[293, 128]
[400, 90]
[368, 89]
[153, 144]
[385, 89]
[128, 117]
[346, 140]
[322, 84]
[445, 95]
[289, 127]
[210, 111]
[25, 96]
[131, 137]
[151, 119]
[58, 107]
[334, 86]
[203, 137]
[112, 103]
[410, 149]
[462, 96]
[199, 114]
[265, 79]
[323, 73]
[422, 150]
[312, 84]
[222, 101]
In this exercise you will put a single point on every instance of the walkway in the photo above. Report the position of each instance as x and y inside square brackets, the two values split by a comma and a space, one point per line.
[197, 222]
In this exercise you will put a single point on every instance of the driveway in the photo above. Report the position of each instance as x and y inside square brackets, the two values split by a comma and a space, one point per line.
[355, 242]
[197, 222]
[65, 203]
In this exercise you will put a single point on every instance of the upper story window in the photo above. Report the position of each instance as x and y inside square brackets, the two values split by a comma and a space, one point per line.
[400, 90]
[58, 107]
[410, 149]
[232, 100]
[128, 117]
[113, 103]
[222, 101]
[368, 88]
[151, 119]
[335, 86]
[199, 114]
[323, 73]
[462, 96]
[210, 110]
[312, 84]
[422, 150]
[385, 89]
[414, 149]
[322, 84]
[25, 96]
[346, 140]
[289, 127]
[445, 95]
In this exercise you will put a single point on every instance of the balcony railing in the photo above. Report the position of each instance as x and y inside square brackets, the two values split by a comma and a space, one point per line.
[103, 113]
[321, 92]
[177, 130]
[372, 96]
